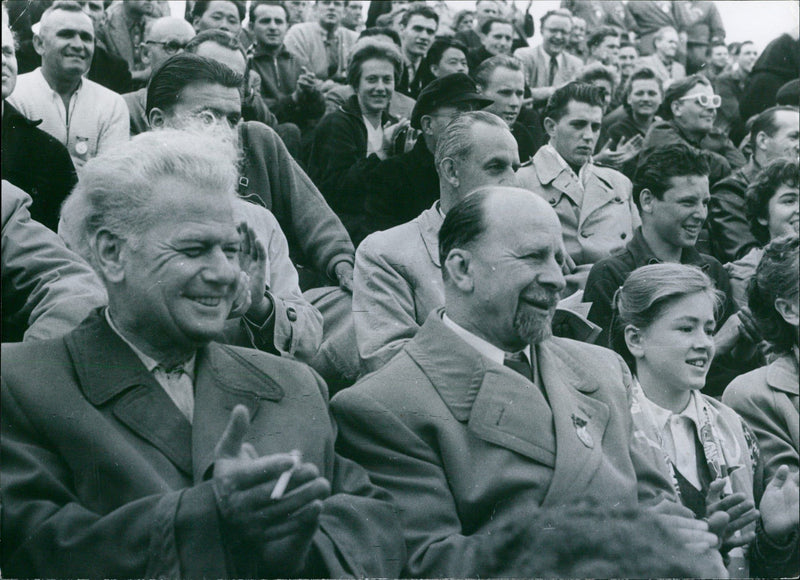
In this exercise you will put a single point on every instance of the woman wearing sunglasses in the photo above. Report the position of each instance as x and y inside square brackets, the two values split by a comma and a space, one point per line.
[690, 107]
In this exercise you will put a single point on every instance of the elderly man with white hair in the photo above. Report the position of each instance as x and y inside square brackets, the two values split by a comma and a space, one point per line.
[136, 446]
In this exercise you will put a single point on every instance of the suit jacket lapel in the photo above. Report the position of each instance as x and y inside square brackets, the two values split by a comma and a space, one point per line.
[430, 222]
[550, 170]
[580, 422]
[598, 192]
[109, 371]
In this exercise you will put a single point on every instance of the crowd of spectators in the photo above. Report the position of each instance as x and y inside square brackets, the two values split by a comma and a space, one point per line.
[316, 289]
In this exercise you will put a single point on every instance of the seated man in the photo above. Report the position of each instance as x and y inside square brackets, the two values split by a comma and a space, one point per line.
[775, 133]
[502, 80]
[47, 290]
[663, 61]
[497, 35]
[267, 171]
[672, 197]
[397, 280]
[417, 29]
[482, 418]
[603, 45]
[401, 187]
[594, 204]
[225, 15]
[167, 489]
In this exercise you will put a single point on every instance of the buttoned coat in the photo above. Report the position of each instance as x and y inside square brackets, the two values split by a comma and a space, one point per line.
[103, 476]
[465, 445]
[396, 284]
[594, 224]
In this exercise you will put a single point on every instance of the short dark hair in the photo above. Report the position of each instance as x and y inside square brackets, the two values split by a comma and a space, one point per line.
[599, 35]
[256, 3]
[718, 43]
[563, 12]
[574, 91]
[763, 188]
[419, 10]
[735, 48]
[461, 15]
[776, 276]
[463, 225]
[440, 46]
[381, 31]
[201, 6]
[484, 71]
[678, 89]
[596, 72]
[486, 27]
[640, 74]
[655, 170]
[182, 70]
[766, 121]
[220, 37]
[367, 49]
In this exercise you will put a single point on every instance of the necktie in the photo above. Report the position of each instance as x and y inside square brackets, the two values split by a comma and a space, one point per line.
[179, 387]
[551, 75]
[517, 361]
[332, 49]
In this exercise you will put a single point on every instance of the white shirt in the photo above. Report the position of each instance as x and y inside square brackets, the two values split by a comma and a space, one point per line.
[98, 118]
[374, 138]
[486, 349]
[181, 390]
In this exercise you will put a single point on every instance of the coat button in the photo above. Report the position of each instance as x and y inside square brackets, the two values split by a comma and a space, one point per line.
[291, 314]
[618, 199]
[623, 235]
[585, 234]
[552, 201]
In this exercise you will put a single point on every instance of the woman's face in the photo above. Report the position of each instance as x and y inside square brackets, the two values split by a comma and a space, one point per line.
[376, 85]
[783, 212]
[678, 346]
[466, 23]
[645, 97]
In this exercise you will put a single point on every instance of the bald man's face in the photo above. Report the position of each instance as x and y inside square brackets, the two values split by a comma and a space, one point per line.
[493, 159]
[165, 38]
[66, 43]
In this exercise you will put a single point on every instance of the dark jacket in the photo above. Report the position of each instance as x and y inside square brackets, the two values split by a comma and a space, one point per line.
[409, 86]
[730, 87]
[315, 235]
[609, 274]
[731, 237]
[400, 188]
[476, 56]
[627, 129]
[777, 65]
[38, 164]
[337, 162]
[528, 141]
[724, 155]
[278, 82]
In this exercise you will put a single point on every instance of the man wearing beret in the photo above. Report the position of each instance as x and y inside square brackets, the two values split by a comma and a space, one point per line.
[402, 187]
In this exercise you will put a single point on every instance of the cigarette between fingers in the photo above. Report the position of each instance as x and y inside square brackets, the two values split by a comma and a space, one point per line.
[283, 480]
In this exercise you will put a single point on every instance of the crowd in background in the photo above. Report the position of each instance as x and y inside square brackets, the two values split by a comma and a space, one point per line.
[549, 270]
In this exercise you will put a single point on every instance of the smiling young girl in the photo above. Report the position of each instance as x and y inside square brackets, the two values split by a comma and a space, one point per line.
[665, 315]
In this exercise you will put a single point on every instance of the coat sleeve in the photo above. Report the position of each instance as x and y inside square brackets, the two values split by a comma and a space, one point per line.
[730, 230]
[383, 306]
[47, 532]
[601, 286]
[46, 288]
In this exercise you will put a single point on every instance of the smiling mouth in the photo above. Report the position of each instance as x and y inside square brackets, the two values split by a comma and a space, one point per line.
[210, 301]
[699, 363]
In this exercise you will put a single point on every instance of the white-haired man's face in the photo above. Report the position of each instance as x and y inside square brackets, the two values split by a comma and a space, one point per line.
[66, 43]
[9, 62]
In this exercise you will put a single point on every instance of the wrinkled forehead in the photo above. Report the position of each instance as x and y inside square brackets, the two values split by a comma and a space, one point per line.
[66, 19]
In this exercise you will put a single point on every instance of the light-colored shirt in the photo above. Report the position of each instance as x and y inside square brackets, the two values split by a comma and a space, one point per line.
[178, 385]
[97, 119]
[374, 137]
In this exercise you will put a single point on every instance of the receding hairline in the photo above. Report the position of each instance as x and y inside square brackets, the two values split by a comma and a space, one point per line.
[44, 23]
[161, 26]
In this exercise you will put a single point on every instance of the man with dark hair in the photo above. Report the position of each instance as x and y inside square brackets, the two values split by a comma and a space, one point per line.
[730, 87]
[549, 65]
[497, 35]
[417, 30]
[397, 280]
[401, 187]
[446, 56]
[501, 79]
[774, 133]
[484, 10]
[671, 192]
[289, 88]
[689, 110]
[226, 15]
[603, 45]
[594, 203]
[483, 418]
[323, 43]
[718, 61]
[316, 236]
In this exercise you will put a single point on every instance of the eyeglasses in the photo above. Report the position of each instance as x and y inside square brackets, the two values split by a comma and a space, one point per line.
[170, 46]
[704, 100]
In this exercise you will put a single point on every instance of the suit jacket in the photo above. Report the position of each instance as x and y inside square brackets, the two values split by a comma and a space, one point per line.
[594, 223]
[668, 74]
[397, 282]
[104, 476]
[537, 67]
[466, 446]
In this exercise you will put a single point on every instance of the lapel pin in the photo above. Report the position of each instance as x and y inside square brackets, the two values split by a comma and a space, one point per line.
[582, 431]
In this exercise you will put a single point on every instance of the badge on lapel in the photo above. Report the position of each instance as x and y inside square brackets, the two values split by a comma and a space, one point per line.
[582, 431]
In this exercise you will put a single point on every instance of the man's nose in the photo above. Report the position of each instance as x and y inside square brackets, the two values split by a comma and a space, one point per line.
[221, 268]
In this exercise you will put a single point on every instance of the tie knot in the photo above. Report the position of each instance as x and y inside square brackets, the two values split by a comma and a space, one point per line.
[516, 356]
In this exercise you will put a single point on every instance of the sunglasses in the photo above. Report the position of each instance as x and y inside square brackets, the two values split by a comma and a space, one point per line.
[713, 101]
[170, 47]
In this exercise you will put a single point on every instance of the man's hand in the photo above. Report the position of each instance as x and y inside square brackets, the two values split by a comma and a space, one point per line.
[344, 274]
[741, 512]
[279, 530]
[389, 131]
[727, 336]
[780, 506]
[625, 151]
[253, 261]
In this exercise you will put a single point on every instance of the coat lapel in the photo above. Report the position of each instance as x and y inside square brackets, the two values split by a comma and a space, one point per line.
[430, 222]
[550, 170]
[598, 192]
[110, 372]
[580, 422]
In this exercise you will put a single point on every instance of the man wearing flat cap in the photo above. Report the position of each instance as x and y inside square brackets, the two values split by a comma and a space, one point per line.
[402, 187]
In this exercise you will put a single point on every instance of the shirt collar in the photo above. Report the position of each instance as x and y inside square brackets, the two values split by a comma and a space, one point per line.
[643, 255]
[52, 91]
[486, 349]
[149, 363]
[662, 416]
[562, 162]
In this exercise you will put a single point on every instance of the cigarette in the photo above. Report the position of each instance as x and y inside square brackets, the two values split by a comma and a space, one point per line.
[283, 480]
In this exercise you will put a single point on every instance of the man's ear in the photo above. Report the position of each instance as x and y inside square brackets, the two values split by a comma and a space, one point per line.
[425, 123]
[646, 198]
[38, 44]
[458, 264]
[761, 139]
[144, 51]
[449, 172]
[550, 126]
[675, 107]
[157, 118]
[195, 22]
[108, 251]
[788, 311]
[633, 339]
